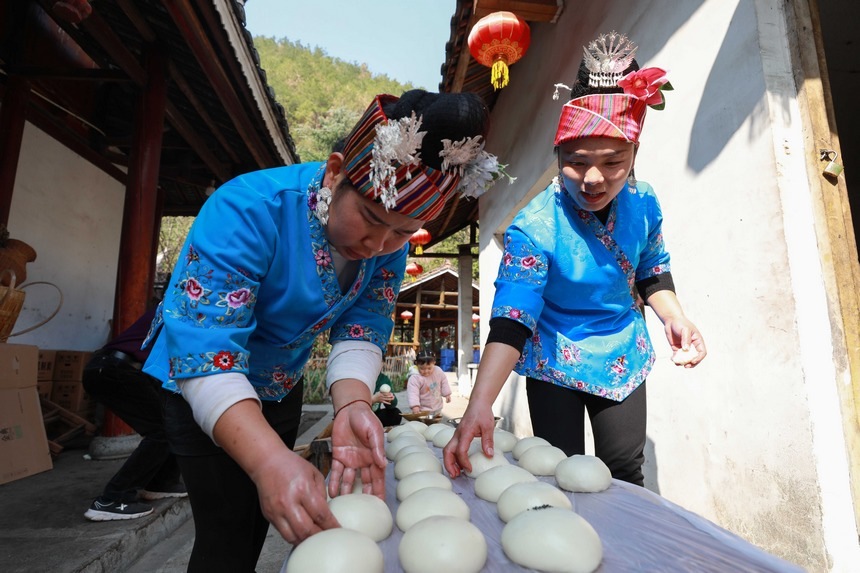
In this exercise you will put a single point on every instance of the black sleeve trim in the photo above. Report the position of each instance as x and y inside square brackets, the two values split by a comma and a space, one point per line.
[649, 286]
[508, 331]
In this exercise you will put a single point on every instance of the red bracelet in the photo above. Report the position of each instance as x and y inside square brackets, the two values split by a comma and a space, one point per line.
[339, 410]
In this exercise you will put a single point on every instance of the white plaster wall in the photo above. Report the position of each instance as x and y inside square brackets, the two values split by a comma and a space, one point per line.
[71, 213]
[740, 439]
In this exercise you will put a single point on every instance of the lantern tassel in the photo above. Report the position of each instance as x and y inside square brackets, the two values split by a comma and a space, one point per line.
[418, 250]
[499, 75]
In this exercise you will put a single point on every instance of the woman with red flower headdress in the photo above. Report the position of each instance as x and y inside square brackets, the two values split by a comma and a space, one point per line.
[275, 258]
[579, 261]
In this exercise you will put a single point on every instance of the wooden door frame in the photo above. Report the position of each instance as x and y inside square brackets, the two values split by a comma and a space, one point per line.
[833, 223]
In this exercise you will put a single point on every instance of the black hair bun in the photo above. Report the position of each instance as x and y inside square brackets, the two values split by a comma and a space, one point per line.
[451, 116]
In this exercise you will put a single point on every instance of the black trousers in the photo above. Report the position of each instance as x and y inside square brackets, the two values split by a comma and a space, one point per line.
[558, 416]
[135, 398]
[229, 525]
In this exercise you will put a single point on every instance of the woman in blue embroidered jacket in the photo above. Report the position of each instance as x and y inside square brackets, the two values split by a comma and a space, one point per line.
[567, 309]
[274, 259]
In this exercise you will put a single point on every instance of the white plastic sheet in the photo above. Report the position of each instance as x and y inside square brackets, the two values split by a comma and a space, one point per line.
[640, 531]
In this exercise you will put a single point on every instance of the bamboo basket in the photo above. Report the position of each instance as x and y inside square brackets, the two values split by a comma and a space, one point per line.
[11, 303]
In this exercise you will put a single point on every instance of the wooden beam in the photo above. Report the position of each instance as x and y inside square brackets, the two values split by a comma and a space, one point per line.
[12, 115]
[69, 74]
[148, 34]
[529, 10]
[187, 131]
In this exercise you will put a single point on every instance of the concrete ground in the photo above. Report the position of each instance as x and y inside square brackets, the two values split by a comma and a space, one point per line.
[42, 528]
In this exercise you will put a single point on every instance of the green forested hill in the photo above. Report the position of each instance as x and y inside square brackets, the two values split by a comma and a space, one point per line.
[323, 96]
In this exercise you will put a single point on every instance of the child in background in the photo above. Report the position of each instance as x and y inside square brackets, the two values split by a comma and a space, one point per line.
[426, 389]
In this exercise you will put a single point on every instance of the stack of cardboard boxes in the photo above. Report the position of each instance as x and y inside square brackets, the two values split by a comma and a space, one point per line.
[67, 390]
[23, 443]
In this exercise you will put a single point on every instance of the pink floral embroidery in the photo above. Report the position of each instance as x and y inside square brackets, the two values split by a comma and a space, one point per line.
[193, 289]
[356, 331]
[515, 313]
[507, 259]
[528, 262]
[388, 293]
[238, 298]
[322, 257]
[645, 84]
[223, 360]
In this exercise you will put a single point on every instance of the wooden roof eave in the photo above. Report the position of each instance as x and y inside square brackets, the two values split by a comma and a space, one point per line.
[248, 66]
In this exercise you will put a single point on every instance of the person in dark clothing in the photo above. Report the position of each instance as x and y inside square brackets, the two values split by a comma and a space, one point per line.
[113, 376]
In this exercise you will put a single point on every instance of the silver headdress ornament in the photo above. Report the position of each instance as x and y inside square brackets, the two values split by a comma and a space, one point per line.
[400, 142]
[606, 58]
[397, 141]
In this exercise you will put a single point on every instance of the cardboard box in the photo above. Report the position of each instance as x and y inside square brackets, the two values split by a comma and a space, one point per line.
[69, 364]
[46, 364]
[23, 443]
[70, 395]
[44, 388]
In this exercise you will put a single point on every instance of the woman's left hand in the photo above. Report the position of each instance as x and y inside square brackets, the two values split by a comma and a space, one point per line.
[357, 450]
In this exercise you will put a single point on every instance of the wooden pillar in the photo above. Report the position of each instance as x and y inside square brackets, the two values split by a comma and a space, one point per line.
[13, 112]
[464, 320]
[139, 225]
[137, 251]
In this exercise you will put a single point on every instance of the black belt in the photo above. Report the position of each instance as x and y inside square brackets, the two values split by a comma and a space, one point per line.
[122, 356]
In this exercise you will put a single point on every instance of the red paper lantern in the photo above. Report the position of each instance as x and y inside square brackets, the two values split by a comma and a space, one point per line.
[414, 269]
[418, 239]
[406, 315]
[497, 41]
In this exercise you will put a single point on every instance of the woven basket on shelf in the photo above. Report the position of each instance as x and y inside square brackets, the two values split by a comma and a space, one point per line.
[11, 302]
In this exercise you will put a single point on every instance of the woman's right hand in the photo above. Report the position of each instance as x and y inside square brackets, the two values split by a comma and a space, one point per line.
[478, 420]
[292, 496]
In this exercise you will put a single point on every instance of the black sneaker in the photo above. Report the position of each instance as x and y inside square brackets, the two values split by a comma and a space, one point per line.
[106, 510]
[174, 490]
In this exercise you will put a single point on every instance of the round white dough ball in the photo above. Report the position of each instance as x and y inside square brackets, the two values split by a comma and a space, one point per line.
[434, 429]
[583, 473]
[529, 495]
[443, 543]
[525, 443]
[397, 431]
[552, 539]
[334, 551]
[541, 460]
[682, 357]
[443, 436]
[364, 513]
[406, 439]
[419, 480]
[385, 388]
[417, 462]
[481, 463]
[504, 441]
[419, 427]
[411, 449]
[428, 502]
[490, 484]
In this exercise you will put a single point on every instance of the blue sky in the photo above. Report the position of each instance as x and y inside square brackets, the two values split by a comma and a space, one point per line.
[404, 39]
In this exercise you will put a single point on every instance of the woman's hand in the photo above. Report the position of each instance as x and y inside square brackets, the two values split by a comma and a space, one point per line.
[688, 346]
[382, 398]
[292, 496]
[357, 450]
[477, 421]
